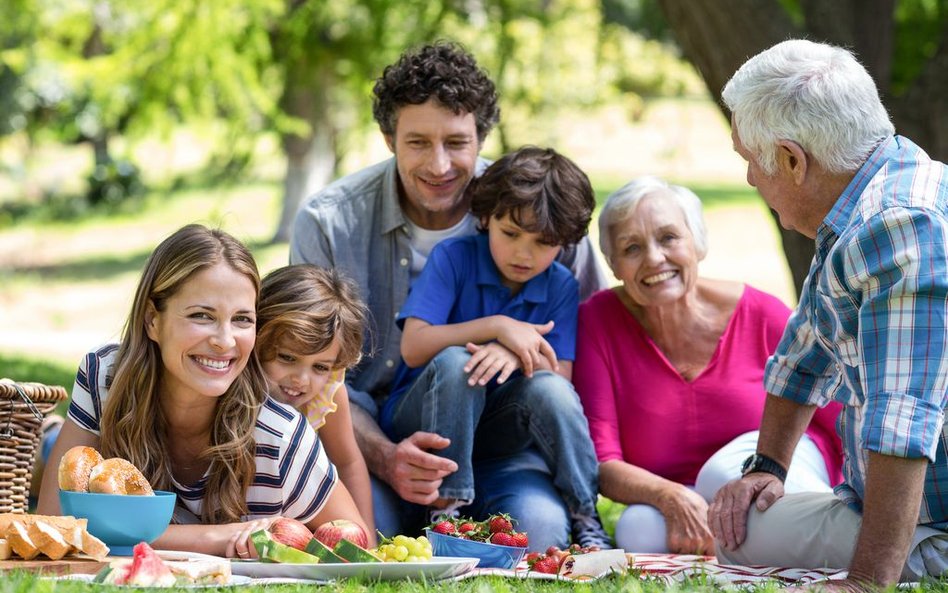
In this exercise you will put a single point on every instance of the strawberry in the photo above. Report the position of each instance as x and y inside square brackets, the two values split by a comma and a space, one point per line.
[520, 539]
[552, 550]
[467, 526]
[547, 565]
[444, 527]
[502, 539]
[500, 524]
[532, 557]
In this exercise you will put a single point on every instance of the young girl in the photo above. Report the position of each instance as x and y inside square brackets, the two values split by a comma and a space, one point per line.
[183, 398]
[310, 323]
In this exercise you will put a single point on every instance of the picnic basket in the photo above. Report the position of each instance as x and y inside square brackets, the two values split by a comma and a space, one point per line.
[23, 406]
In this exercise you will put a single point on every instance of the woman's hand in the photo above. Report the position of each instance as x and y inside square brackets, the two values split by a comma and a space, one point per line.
[686, 520]
[239, 545]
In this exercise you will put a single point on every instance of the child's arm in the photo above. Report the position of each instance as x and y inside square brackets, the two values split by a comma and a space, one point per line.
[422, 341]
[339, 439]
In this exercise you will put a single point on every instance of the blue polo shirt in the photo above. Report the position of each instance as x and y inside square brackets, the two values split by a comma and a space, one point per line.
[460, 283]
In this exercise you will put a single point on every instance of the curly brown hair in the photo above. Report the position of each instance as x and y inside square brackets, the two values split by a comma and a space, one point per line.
[443, 70]
[539, 181]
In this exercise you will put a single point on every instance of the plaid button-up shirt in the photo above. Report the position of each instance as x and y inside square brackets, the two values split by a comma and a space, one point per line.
[871, 329]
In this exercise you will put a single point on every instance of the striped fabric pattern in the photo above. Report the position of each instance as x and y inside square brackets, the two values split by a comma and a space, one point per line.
[871, 329]
[293, 474]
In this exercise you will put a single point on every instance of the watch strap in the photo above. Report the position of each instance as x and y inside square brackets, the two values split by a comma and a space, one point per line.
[761, 463]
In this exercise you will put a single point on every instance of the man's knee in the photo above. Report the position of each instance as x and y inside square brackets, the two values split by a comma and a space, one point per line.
[806, 530]
[542, 514]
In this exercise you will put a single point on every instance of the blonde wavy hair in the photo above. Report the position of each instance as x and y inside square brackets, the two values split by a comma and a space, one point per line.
[133, 424]
[303, 307]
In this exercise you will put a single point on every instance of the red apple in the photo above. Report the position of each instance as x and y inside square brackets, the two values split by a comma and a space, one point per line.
[290, 532]
[330, 533]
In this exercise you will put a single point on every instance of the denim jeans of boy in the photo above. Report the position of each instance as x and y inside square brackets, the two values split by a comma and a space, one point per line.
[486, 424]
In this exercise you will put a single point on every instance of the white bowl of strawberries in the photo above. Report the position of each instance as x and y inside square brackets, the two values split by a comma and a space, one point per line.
[494, 542]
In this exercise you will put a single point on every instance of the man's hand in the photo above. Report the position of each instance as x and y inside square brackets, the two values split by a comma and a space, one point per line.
[727, 515]
[686, 520]
[526, 341]
[414, 473]
[487, 361]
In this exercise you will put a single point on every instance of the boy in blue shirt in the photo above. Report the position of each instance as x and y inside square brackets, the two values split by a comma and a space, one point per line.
[489, 334]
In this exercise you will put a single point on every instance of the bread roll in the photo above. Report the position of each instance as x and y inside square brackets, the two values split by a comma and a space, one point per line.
[118, 476]
[75, 467]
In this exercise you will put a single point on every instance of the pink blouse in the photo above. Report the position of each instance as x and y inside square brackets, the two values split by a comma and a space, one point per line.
[642, 411]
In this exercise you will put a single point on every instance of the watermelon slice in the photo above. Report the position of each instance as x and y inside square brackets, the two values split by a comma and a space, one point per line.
[145, 569]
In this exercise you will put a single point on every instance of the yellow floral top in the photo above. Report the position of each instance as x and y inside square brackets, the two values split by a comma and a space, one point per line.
[316, 409]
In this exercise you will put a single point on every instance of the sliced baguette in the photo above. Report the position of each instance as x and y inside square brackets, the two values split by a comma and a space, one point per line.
[21, 542]
[90, 545]
[49, 540]
[5, 551]
[59, 522]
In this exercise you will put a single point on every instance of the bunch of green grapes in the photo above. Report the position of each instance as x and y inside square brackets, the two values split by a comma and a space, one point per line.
[402, 548]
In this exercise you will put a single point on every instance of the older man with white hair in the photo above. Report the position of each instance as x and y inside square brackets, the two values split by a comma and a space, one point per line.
[870, 332]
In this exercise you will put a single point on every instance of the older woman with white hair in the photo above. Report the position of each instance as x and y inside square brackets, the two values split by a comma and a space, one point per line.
[669, 367]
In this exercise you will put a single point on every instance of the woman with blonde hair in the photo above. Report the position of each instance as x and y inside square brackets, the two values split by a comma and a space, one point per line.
[183, 398]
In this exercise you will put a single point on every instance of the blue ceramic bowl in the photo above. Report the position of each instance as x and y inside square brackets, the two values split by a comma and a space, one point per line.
[121, 521]
[490, 555]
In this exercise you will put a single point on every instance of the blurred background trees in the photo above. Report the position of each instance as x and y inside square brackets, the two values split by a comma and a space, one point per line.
[297, 74]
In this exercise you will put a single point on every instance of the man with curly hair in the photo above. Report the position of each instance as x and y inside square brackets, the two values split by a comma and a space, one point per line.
[435, 107]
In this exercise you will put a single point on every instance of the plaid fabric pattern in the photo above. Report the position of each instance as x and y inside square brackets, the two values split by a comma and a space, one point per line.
[871, 329]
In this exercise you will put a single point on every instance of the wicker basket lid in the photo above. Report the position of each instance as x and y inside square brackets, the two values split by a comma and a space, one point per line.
[37, 392]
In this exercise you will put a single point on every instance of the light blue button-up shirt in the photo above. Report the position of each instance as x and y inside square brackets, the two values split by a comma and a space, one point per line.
[871, 329]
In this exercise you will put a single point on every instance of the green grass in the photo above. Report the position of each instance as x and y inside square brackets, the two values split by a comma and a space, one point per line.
[19, 582]
[25, 368]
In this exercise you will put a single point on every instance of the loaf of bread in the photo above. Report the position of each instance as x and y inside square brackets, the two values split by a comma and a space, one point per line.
[29, 536]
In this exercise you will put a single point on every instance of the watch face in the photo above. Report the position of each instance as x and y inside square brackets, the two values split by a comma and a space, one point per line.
[749, 464]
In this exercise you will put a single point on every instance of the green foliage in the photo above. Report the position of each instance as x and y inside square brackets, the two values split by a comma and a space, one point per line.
[919, 25]
[642, 16]
[22, 368]
[113, 183]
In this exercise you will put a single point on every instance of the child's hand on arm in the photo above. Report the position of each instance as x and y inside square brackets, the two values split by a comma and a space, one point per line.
[526, 341]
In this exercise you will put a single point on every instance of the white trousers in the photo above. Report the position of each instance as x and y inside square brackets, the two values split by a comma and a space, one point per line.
[809, 530]
[641, 528]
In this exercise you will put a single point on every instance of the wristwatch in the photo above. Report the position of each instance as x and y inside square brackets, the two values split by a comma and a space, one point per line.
[762, 463]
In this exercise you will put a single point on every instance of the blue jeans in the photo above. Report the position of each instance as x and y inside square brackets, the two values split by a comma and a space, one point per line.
[486, 423]
[518, 484]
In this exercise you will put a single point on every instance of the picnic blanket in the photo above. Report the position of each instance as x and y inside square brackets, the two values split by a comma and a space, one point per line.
[679, 568]
[667, 568]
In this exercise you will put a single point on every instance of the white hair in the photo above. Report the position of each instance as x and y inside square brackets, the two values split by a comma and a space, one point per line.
[621, 204]
[814, 94]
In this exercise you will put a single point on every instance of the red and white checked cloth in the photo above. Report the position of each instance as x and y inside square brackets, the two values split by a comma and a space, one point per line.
[672, 568]
[678, 568]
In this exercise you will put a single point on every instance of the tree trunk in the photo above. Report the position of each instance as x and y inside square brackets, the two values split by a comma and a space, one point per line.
[310, 157]
[717, 36]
